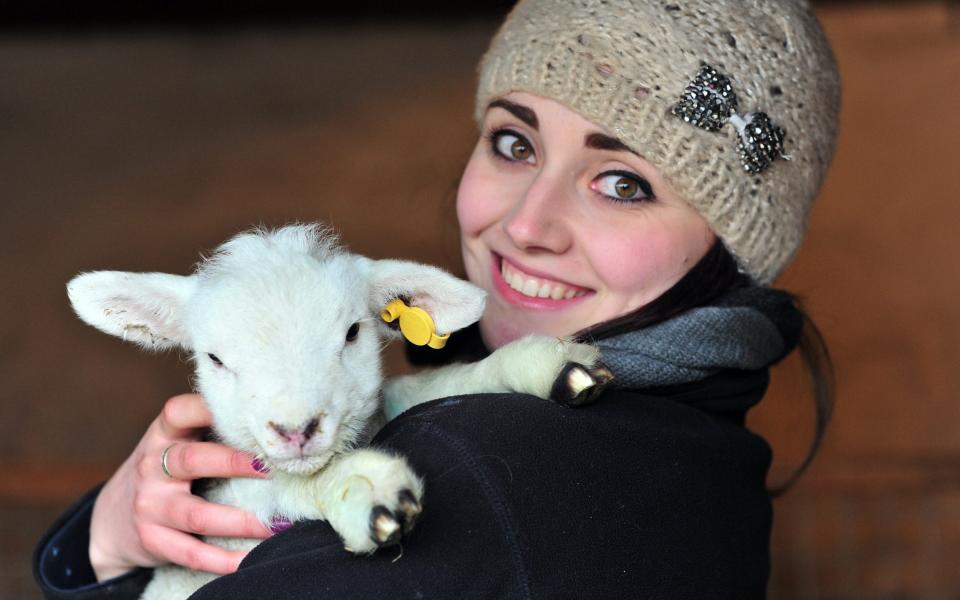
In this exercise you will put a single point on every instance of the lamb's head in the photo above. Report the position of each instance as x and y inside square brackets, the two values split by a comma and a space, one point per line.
[284, 331]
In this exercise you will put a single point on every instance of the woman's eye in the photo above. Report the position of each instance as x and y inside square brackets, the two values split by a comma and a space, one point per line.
[623, 186]
[213, 358]
[513, 146]
[353, 331]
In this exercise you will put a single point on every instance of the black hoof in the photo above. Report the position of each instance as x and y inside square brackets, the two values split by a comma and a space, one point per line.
[385, 530]
[408, 510]
[578, 385]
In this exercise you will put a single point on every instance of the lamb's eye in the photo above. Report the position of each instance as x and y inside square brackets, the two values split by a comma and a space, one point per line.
[353, 331]
[215, 360]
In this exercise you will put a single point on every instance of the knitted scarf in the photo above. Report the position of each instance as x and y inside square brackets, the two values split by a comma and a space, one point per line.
[747, 328]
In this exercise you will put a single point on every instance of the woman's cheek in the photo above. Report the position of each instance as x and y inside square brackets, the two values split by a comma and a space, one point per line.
[469, 215]
[474, 211]
[639, 266]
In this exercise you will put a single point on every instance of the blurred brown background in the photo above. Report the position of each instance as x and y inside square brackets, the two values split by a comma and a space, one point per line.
[136, 148]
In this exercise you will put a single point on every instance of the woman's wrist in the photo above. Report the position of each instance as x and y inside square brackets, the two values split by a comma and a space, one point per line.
[105, 566]
[102, 550]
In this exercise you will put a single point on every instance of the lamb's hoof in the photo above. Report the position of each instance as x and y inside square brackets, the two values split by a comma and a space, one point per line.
[408, 510]
[387, 527]
[579, 385]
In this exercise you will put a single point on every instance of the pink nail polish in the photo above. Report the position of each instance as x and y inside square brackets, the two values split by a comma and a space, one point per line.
[279, 524]
[258, 466]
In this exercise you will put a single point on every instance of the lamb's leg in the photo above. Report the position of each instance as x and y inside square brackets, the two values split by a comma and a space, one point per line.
[531, 365]
[370, 498]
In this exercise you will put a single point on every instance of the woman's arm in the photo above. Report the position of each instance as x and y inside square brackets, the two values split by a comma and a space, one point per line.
[61, 564]
[635, 496]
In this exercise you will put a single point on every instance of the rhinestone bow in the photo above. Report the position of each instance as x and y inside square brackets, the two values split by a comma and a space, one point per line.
[709, 102]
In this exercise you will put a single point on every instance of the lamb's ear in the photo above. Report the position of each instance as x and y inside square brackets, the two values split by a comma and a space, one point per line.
[145, 308]
[452, 302]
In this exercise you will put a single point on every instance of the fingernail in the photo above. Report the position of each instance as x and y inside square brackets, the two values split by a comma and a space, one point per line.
[258, 466]
[279, 524]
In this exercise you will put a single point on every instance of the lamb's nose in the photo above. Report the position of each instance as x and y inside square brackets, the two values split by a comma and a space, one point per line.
[297, 435]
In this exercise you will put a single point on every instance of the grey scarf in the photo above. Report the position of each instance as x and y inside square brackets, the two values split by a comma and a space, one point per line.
[748, 328]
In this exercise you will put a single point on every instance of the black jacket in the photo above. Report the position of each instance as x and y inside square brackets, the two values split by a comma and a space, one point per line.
[652, 494]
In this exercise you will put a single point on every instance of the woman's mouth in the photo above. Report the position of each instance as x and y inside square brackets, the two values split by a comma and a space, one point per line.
[521, 286]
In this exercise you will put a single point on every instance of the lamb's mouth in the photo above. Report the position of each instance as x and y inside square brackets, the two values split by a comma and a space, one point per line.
[300, 465]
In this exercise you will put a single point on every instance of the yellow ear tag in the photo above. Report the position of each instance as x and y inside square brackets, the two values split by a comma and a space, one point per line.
[415, 324]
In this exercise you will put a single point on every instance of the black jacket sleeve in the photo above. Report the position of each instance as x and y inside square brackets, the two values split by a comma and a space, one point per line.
[61, 561]
[637, 496]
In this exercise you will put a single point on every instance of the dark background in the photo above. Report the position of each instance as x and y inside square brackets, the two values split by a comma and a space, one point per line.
[208, 14]
[135, 137]
[104, 14]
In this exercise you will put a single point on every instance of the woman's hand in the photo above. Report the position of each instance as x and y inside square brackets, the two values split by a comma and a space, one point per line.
[145, 518]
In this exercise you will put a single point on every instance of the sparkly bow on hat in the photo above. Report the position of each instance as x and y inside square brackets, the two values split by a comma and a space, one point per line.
[709, 102]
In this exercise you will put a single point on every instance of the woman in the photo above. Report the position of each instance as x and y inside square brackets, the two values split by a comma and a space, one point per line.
[644, 170]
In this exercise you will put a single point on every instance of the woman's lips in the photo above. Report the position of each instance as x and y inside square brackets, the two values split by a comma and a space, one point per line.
[527, 289]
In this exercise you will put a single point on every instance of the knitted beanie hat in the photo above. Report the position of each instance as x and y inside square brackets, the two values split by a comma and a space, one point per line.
[734, 101]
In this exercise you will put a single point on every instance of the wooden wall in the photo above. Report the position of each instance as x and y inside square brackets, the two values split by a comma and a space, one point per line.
[878, 516]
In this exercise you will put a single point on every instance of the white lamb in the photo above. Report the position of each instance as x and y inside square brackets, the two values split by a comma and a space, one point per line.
[284, 331]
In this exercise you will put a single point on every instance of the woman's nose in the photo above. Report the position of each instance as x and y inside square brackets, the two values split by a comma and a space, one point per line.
[538, 220]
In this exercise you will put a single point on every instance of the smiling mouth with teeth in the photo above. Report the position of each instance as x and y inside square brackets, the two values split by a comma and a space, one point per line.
[537, 287]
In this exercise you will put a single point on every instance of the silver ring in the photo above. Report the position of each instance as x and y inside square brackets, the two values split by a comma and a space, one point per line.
[163, 461]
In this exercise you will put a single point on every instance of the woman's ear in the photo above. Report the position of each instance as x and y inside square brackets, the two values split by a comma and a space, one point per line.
[144, 308]
[451, 302]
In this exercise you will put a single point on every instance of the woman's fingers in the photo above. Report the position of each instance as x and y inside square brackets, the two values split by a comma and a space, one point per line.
[182, 415]
[195, 460]
[192, 514]
[183, 549]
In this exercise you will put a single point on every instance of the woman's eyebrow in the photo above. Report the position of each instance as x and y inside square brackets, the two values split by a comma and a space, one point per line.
[602, 141]
[518, 110]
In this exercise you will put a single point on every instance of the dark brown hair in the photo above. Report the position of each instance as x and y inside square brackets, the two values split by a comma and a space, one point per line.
[715, 274]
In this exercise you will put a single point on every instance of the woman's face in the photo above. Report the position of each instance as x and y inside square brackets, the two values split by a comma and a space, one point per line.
[564, 226]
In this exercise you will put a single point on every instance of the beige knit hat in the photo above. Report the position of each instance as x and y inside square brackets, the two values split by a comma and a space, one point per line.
[651, 71]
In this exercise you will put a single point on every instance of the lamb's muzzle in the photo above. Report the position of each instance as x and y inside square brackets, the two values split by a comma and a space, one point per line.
[297, 435]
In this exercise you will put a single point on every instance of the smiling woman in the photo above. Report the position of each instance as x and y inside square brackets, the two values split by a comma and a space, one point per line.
[643, 173]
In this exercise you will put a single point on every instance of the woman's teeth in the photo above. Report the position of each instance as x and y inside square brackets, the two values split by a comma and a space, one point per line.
[536, 288]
